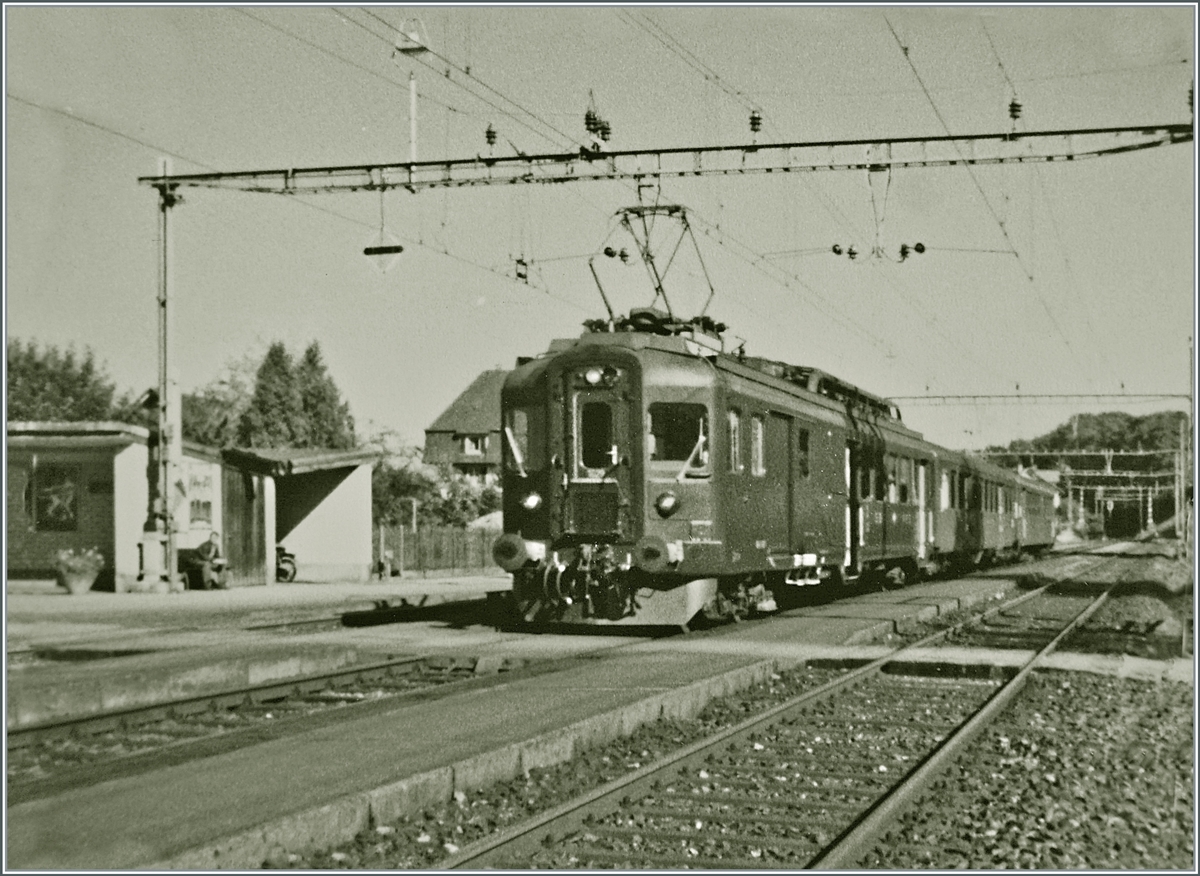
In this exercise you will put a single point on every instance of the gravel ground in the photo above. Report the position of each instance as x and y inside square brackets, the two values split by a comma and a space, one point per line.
[1082, 772]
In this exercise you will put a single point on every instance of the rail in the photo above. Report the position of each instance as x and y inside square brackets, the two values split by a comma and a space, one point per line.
[521, 841]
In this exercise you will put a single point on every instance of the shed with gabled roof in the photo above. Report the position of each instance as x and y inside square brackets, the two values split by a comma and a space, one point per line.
[84, 485]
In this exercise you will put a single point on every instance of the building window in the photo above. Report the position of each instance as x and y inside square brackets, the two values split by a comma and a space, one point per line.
[474, 445]
[56, 491]
[802, 461]
[735, 441]
[758, 464]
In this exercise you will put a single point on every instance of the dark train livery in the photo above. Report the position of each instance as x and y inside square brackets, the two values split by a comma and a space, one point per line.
[649, 476]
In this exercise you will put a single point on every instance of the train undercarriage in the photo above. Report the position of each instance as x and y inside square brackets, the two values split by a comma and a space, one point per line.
[597, 584]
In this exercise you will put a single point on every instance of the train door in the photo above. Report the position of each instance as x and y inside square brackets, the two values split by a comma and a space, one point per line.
[924, 517]
[818, 494]
[776, 469]
[597, 501]
[853, 509]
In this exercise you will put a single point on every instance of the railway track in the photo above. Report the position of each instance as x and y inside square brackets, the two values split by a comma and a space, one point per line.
[47, 758]
[808, 783]
[54, 756]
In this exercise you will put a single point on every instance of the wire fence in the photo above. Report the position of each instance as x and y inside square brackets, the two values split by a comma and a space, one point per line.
[434, 550]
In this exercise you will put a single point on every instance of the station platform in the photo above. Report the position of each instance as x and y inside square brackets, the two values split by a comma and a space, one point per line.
[322, 786]
[41, 614]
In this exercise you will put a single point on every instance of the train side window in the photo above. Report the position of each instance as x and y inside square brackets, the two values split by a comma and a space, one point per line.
[864, 483]
[878, 482]
[679, 432]
[735, 441]
[1001, 500]
[944, 496]
[757, 461]
[893, 493]
[904, 478]
[802, 461]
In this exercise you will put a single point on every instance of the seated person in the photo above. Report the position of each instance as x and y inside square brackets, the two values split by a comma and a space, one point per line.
[208, 563]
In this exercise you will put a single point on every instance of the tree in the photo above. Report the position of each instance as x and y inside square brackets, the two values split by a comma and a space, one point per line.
[275, 415]
[51, 384]
[394, 486]
[328, 417]
[211, 415]
[294, 404]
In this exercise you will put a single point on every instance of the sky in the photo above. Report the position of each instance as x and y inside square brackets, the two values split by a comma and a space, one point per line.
[1073, 277]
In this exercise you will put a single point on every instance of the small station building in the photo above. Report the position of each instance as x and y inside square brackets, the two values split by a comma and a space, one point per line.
[83, 485]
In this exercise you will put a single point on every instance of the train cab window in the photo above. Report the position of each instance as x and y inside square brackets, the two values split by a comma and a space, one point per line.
[893, 492]
[524, 439]
[678, 432]
[802, 461]
[735, 441]
[1001, 499]
[879, 483]
[944, 493]
[864, 483]
[596, 447]
[757, 446]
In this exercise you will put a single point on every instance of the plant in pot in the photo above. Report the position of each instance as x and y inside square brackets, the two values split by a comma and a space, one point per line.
[76, 570]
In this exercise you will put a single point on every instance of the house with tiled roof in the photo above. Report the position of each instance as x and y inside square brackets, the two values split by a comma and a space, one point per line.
[466, 436]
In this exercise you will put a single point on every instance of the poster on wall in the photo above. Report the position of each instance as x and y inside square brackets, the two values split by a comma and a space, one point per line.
[200, 492]
[57, 492]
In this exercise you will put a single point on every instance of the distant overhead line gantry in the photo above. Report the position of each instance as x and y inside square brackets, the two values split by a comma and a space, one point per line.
[1033, 398]
[587, 165]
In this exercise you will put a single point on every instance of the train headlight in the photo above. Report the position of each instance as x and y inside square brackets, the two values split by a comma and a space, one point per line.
[666, 504]
[531, 502]
[593, 376]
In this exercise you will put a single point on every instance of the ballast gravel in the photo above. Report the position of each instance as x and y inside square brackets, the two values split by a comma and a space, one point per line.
[1083, 771]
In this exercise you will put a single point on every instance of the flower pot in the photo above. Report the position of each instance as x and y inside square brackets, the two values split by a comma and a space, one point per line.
[77, 582]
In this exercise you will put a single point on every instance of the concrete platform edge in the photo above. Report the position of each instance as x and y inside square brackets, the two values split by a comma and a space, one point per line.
[342, 819]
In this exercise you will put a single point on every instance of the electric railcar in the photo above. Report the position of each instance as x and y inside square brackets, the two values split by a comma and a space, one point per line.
[649, 476]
